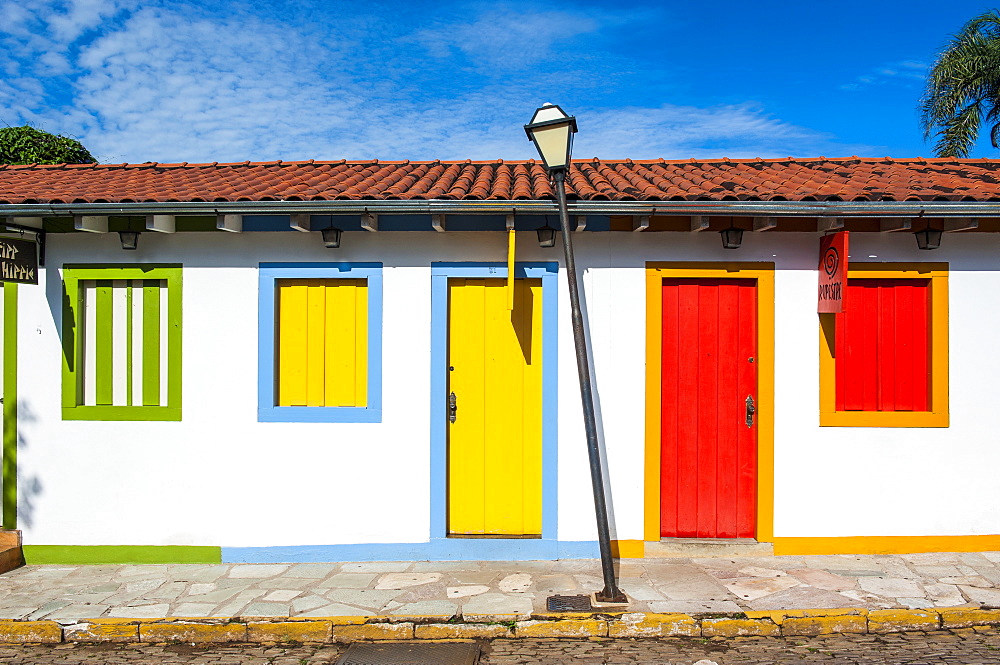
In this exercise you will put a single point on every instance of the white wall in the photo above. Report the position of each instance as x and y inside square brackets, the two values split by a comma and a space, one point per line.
[221, 478]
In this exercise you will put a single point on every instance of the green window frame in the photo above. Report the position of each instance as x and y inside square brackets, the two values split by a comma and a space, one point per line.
[128, 327]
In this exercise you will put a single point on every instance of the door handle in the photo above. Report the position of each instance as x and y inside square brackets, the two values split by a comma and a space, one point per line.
[751, 409]
[452, 407]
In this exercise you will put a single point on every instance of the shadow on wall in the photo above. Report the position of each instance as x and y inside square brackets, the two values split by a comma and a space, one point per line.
[58, 302]
[28, 488]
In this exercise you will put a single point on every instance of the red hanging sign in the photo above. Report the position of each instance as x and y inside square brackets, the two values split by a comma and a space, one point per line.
[832, 273]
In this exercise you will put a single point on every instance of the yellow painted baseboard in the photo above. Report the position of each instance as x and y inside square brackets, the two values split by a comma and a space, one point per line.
[885, 544]
[628, 549]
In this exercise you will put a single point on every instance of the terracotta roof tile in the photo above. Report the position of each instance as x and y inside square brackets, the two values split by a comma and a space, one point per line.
[848, 179]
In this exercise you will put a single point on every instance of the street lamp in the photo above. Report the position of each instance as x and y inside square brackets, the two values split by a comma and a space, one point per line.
[551, 130]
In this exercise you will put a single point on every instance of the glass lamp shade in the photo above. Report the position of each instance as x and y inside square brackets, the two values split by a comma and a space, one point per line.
[546, 236]
[731, 237]
[129, 239]
[331, 238]
[551, 130]
[928, 238]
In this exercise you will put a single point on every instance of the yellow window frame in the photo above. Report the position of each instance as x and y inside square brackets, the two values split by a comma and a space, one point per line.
[938, 416]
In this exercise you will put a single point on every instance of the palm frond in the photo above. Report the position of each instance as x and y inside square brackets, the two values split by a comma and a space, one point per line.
[963, 88]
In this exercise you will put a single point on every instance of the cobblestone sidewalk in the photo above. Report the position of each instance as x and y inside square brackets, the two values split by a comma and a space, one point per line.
[478, 588]
[956, 647]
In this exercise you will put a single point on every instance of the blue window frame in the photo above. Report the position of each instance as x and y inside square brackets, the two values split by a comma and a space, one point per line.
[273, 274]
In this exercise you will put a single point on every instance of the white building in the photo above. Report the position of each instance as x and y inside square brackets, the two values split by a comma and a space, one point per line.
[235, 390]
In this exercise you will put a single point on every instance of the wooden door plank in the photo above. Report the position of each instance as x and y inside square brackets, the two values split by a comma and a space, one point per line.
[921, 350]
[465, 463]
[746, 500]
[104, 334]
[869, 351]
[315, 336]
[669, 400]
[894, 315]
[729, 410]
[708, 408]
[360, 340]
[501, 437]
[529, 299]
[687, 409]
[338, 361]
[151, 320]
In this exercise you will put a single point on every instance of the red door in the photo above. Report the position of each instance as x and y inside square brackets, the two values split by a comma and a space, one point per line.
[709, 453]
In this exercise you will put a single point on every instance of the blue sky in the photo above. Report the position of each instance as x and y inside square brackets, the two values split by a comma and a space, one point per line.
[230, 81]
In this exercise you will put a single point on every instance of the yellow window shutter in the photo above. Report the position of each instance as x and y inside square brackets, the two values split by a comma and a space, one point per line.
[322, 342]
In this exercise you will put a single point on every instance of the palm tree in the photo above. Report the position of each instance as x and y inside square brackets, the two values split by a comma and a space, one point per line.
[963, 89]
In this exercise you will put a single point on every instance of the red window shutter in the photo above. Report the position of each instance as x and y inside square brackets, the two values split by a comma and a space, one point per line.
[883, 346]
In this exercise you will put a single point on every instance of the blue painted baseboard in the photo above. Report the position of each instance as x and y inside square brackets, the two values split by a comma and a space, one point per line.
[438, 549]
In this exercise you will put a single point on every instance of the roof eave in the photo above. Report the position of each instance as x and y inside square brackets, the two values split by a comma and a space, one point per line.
[479, 207]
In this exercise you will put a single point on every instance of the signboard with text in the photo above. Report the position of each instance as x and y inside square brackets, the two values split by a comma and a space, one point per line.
[18, 261]
[832, 273]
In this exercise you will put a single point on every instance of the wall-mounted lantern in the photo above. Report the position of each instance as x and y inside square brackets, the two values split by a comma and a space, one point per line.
[129, 239]
[928, 238]
[546, 236]
[731, 237]
[331, 238]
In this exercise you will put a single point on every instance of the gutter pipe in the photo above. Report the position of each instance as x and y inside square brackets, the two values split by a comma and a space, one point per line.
[934, 209]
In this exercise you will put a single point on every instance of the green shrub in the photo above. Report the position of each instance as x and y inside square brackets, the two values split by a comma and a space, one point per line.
[27, 145]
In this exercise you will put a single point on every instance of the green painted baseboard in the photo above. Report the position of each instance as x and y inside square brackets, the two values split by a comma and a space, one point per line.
[83, 554]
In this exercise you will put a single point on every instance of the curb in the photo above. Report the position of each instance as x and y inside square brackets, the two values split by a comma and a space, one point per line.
[347, 629]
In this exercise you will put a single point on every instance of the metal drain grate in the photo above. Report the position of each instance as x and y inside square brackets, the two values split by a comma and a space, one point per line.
[568, 604]
[409, 653]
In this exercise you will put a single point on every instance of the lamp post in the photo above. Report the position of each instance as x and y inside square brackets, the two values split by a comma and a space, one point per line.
[551, 130]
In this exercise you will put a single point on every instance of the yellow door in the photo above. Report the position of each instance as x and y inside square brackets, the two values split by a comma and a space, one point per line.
[495, 427]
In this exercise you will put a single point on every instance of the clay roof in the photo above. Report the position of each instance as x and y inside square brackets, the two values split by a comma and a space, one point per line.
[818, 179]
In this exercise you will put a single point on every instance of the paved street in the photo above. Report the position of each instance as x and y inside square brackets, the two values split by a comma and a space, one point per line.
[483, 589]
[957, 647]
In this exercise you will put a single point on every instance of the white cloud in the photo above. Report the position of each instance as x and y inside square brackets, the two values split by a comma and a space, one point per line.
[173, 83]
[78, 16]
[508, 40]
[490, 127]
[907, 72]
[166, 87]
[47, 28]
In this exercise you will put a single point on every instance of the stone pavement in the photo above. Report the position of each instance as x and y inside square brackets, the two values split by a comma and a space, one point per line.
[956, 647]
[479, 590]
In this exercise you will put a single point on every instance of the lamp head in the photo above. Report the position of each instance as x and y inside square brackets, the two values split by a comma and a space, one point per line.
[551, 130]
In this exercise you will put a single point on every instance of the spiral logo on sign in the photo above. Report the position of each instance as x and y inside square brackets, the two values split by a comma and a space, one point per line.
[831, 261]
